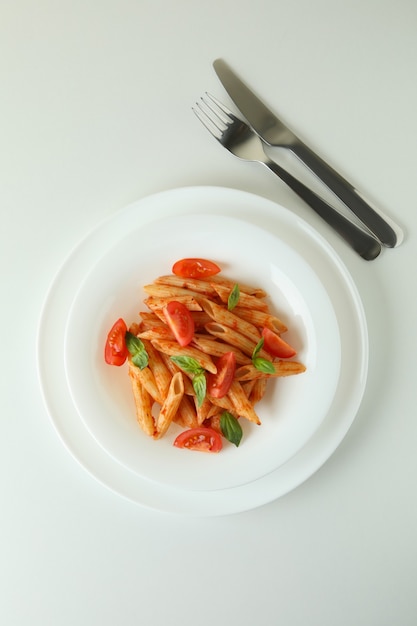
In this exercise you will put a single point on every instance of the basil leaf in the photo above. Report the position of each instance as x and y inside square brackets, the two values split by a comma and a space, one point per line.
[137, 350]
[258, 348]
[233, 298]
[231, 428]
[193, 367]
[200, 386]
[188, 364]
[263, 365]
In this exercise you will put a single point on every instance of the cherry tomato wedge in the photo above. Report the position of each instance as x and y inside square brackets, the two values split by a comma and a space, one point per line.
[219, 384]
[180, 321]
[201, 439]
[115, 351]
[195, 268]
[276, 346]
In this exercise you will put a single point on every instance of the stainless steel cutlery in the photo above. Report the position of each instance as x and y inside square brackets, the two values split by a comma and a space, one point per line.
[243, 142]
[274, 132]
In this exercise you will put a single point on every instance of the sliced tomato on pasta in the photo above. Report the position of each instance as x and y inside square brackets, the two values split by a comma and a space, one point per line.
[201, 439]
[115, 351]
[276, 346]
[180, 321]
[195, 268]
[219, 384]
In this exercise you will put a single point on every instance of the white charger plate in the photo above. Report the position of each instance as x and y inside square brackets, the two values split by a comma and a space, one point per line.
[345, 303]
[293, 407]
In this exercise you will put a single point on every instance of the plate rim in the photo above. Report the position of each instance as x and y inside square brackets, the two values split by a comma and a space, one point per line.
[275, 445]
[215, 505]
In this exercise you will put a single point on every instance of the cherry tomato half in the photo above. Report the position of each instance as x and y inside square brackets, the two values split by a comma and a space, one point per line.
[201, 439]
[276, 346]
[115, 351]
[219, 384]
[195, 268]
[180, 321]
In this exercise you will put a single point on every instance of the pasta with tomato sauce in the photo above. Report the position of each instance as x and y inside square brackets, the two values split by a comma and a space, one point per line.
[200, 355]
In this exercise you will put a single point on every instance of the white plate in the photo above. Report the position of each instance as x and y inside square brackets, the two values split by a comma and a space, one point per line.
[302, 239]
[293, 407]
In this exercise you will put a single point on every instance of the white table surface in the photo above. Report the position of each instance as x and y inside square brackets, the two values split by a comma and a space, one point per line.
[95, 114]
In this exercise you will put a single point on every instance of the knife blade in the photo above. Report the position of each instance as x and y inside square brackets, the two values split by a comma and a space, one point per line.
[275, 133]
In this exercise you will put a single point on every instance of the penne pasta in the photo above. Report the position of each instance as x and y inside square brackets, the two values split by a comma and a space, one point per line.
[157, 332]
[214, 411]
[203, 410]
[257, 392]
[193, 284]
[282, 368]
[147, 380]
[241, 404]
[134, 328]
[261, 318]
[150, 320]
[159, 369]
[220, 349]
[214, 422]
[170, 405]
[234, 338]
[248, 385]
[172, 348]
[148, 316]
[156, 303]
[217, 348]
[222, 403]
[171, 292]
[186, 414]
[200, 319]
[228, 284]
[143, 404]
[223, 316]
[245, 300]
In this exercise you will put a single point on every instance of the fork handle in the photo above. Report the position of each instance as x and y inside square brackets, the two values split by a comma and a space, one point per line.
[362, 242]
[349, 195]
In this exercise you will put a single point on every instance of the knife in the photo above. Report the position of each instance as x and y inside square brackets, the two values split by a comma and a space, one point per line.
[275, 133]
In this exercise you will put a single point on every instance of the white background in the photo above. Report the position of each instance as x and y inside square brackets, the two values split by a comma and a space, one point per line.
[96, 113]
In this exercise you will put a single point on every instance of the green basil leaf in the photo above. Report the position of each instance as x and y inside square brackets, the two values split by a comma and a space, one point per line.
[233, 298]
[231, 428]
[263, 365]
[200, 386]
[258, 348]
[193, 367]
[188, 364]
[137, 350]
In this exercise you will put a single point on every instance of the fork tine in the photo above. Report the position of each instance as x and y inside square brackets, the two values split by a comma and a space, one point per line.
[221, 113]
[228, 113]
[207, 121]
[215, 116]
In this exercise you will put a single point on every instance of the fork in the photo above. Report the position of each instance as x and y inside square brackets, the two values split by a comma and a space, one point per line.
[235, 135]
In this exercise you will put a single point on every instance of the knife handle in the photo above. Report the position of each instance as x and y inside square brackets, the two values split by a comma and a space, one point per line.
[362, 242]
[349, 195]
